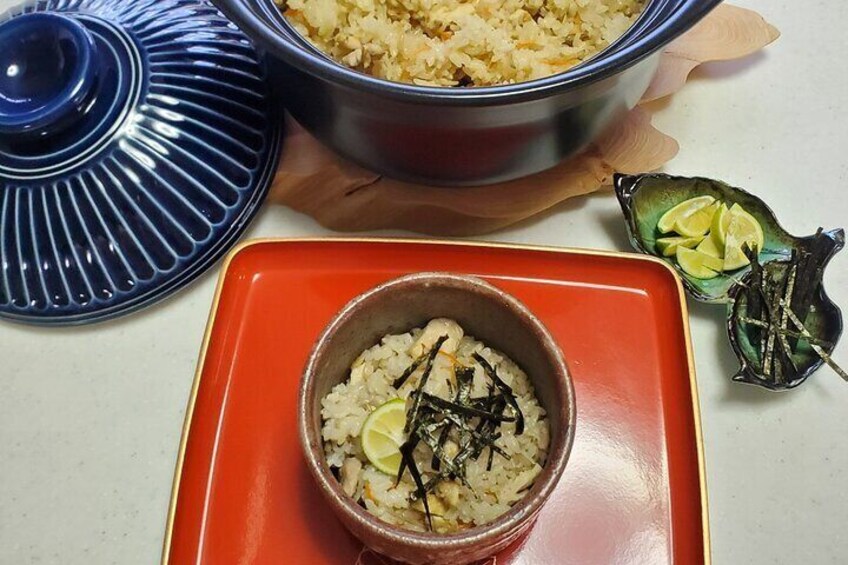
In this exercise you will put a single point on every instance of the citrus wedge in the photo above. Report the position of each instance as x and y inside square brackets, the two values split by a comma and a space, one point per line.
[743, 228]
[382, 435]
[668, 245]
[718, 229]
[697, 264]
[735, 259]
[709, 247]
[698, 222]
[685, 208]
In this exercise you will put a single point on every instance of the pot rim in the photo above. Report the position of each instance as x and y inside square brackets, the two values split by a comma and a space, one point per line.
[253, 17]
[521, 512]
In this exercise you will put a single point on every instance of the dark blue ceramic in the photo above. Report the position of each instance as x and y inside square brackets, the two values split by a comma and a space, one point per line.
[462, 136]
[48, 72]
[137, 140]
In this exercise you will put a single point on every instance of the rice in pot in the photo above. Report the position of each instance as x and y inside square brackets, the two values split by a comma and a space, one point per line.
[486, 494]
[461, 42]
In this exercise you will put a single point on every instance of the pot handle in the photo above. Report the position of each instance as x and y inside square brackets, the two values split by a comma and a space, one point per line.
[48, 73]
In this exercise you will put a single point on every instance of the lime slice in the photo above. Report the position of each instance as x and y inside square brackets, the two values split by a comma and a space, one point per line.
[668, 245]
[735, 259]
[699, 265]
[709, 247]
[718, 229]
[743, 228]
[685, 208]
[698, 222]
[382, 435]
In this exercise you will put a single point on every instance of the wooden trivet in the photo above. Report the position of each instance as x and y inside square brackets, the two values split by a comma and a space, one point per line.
[343, 196]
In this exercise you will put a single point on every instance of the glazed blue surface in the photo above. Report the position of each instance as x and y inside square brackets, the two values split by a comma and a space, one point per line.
[46, 72]
[138, 140]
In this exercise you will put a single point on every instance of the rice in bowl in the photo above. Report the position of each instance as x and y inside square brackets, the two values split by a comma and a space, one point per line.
[460, 42]
[456, 370]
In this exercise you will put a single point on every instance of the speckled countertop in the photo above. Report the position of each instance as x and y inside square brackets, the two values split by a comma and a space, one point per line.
[90, 418]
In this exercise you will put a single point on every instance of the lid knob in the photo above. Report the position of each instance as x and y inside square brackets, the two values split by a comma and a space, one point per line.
[47, 73]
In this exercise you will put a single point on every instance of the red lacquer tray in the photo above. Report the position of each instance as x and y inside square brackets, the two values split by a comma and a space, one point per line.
[633, 491]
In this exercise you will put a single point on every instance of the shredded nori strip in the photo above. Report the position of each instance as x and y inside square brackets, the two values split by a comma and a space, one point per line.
[408, 372]
[775, 363]
[484, 435]
[819, 351]
[464, 379]
[808, 262]
[755, 304]
[411, 369]
[777, 298]
[437, 453]
[474, 421]
[469, 411]
[505, 390]
[491, 458]
[458, 462]
[450, 467]
[406, 455]
[787, 332]
[498, 405]
[428, 368]
[410, 444]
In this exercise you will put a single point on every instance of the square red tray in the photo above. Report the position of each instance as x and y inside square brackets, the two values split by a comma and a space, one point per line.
[633, 491]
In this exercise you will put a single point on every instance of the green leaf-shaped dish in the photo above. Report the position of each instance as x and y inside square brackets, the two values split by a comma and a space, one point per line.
[824, 321]
[645, 198]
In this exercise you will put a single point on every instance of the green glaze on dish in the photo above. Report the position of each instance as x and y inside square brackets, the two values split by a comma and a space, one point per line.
[823, 322]
[645, 198]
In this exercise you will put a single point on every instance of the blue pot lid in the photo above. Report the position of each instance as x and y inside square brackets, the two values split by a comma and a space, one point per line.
[137, 140]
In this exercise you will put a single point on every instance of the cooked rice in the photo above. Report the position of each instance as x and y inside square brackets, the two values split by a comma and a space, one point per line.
[492, 493]
[461, 43]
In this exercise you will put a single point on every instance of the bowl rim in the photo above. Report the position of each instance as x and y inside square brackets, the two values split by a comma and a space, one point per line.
[247, 15]
[508, 522]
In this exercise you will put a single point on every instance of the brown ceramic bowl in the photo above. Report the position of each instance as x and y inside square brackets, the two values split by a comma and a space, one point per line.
[488, 314]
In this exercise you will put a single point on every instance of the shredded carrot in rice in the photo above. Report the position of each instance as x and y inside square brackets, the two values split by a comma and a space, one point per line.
[453, 359]
[367, 492]
[561, 62]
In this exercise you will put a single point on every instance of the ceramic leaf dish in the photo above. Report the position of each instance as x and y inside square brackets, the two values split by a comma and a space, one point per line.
[780, 321]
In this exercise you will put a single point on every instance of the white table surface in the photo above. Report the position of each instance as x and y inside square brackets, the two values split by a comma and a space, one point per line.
[90, 418]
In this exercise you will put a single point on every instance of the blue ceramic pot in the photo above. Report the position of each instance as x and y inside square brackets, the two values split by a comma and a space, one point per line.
[137, 140]
[456, 136]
